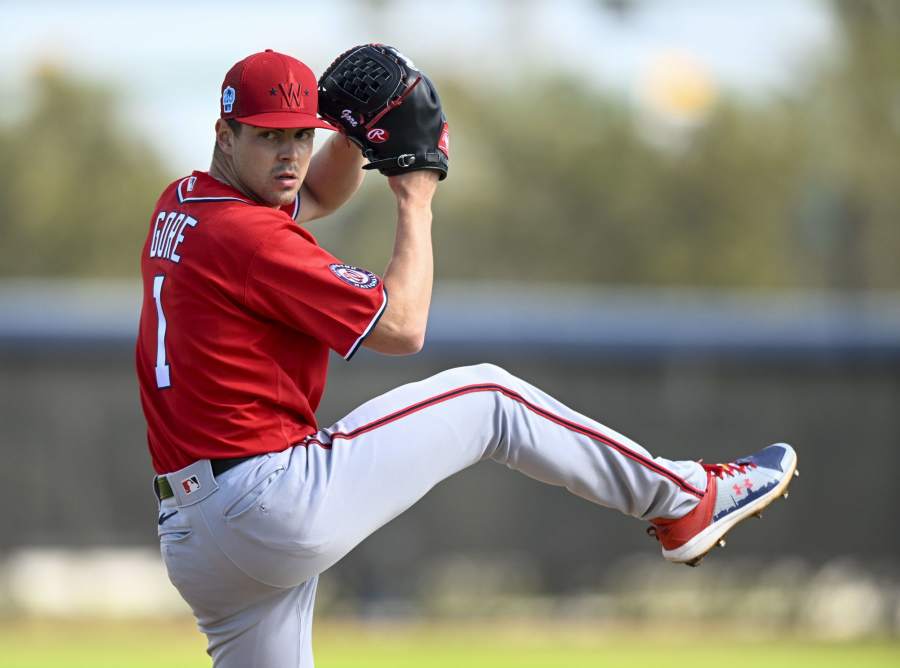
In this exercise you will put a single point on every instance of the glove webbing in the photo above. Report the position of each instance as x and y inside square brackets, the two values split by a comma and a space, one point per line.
[363, 78]
[393, 104]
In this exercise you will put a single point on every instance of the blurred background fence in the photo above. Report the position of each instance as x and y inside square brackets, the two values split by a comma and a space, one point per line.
[687, 373]
[674, 225]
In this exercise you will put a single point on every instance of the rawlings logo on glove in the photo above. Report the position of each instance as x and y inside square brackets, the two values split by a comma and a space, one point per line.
[379, 100]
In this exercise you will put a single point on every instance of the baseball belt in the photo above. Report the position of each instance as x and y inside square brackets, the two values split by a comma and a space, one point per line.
[219, 466]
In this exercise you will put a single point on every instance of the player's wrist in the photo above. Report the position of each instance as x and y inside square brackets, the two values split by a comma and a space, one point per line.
[414, 208]
[414, 188]
[347, 150]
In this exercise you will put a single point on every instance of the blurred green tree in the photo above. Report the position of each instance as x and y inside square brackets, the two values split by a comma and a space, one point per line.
[76, 184]
[851, 201]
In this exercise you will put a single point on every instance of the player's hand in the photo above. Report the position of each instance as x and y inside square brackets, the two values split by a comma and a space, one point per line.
[419, 185]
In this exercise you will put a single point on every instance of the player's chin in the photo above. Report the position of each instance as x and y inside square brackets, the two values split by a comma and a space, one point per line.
[283, 191]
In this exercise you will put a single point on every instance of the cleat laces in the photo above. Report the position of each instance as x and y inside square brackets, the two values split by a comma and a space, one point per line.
[729, 469]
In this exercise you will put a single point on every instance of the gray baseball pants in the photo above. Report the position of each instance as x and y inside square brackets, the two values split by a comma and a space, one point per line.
[245, 548]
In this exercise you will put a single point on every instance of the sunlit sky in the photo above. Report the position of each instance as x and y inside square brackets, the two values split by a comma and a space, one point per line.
[167, 59]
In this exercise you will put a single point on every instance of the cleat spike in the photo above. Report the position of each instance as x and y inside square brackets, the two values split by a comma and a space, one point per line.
[721, 542]
[693, 563]
[796, 473]
[785, 495]
[758, 515]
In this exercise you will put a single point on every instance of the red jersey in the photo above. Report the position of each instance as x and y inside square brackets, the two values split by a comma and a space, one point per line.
[240, 308]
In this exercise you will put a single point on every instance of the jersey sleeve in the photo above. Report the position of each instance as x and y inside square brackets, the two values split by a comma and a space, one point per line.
[294, 281]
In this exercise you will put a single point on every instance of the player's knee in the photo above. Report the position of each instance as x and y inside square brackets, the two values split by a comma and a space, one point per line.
[475, 374]
[489, 373]
[491, 370]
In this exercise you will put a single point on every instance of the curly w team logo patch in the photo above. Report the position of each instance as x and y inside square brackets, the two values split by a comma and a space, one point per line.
[359, 278]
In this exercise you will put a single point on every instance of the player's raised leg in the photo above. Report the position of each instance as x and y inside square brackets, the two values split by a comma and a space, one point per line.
[350, 479]
[311, 504]
[393, 449]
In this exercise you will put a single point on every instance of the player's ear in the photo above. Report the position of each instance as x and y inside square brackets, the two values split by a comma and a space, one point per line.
[224, 137]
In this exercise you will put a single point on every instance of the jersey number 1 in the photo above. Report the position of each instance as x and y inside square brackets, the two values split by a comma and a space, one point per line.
[162, 369]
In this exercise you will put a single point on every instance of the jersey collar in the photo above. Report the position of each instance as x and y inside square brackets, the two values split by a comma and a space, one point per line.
[201, 187]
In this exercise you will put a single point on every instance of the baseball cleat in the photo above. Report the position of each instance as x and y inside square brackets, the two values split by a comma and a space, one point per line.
[734, 491]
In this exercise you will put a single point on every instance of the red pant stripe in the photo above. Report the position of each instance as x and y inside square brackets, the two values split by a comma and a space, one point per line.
[563, 422]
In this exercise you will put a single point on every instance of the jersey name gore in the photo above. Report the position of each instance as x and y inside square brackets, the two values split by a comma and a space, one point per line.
[355, 276]
[168, 233]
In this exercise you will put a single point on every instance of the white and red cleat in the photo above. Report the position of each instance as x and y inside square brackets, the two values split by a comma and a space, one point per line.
[734, 492]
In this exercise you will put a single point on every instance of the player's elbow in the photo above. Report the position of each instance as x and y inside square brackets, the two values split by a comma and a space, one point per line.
[408, 342]
[393, 340]
[401, 329]
[414, 343]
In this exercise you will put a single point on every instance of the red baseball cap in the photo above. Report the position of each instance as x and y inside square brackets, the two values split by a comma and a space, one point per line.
[272, 90]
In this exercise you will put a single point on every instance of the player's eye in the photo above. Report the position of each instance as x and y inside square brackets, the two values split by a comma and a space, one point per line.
[269, 135]
[306, 133]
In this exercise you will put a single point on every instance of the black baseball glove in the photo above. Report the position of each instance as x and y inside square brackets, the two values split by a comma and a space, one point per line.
[377, 97]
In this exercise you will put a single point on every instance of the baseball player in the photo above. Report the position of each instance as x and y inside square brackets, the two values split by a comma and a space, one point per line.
[240, 309]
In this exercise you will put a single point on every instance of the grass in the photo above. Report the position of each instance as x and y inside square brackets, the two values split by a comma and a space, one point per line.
[45, 644]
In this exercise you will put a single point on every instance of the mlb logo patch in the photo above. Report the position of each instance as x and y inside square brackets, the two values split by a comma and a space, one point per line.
[190, 485]
[228, 96]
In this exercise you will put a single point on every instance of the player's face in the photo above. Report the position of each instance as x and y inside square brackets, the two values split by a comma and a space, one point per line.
[272, 163]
